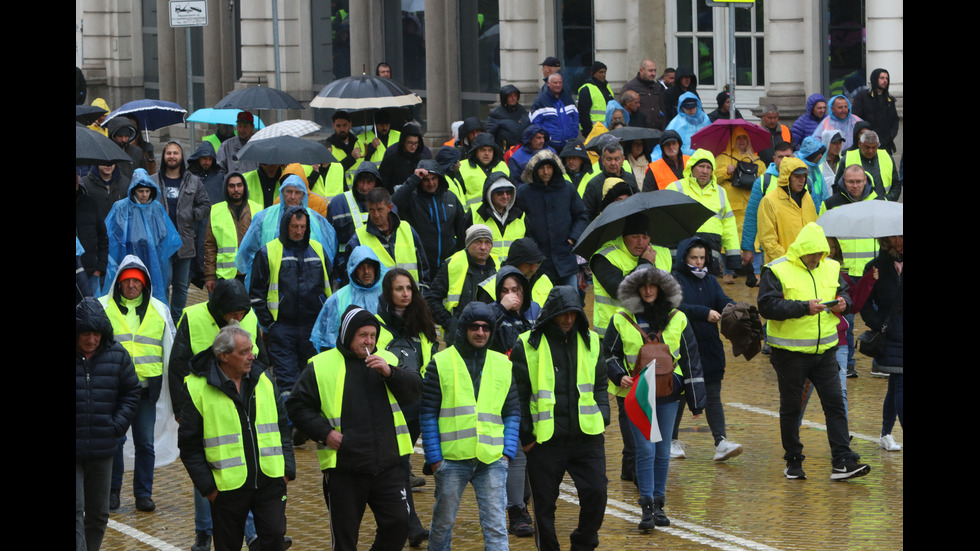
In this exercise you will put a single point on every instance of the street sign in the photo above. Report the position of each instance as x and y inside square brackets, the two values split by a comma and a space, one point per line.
[188, 13]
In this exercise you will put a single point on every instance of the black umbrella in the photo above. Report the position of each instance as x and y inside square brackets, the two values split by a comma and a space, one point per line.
[258, 97]
[672, 217]
[283, 150]
[93, 148]
[624, 134]
[364, 92]
[87, 114]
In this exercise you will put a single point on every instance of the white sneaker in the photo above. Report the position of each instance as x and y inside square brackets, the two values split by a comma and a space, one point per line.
[677, 449]
[889, 443]
[726, 449]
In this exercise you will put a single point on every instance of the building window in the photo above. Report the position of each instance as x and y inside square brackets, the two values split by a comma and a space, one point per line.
[576, 44]
[846, 48]
[331, 41]
[701, 42]
[479, 56]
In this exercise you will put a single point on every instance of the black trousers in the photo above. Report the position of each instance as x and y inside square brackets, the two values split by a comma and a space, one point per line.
[793, 369]
[547, 463]
[268, 505]
[348, 493]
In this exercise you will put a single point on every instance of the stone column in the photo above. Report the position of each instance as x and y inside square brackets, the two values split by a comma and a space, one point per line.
[442, 101]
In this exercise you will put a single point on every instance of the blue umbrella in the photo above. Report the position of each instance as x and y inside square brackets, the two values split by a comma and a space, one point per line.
[210, 115]
[151, 113]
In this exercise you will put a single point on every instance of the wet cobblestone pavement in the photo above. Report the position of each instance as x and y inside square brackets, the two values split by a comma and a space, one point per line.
[744, 503]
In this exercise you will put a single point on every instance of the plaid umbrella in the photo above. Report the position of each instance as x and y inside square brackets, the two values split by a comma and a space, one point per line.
[296, 127]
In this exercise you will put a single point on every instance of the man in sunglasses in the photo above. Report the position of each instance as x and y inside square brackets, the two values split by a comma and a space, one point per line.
[470, 417]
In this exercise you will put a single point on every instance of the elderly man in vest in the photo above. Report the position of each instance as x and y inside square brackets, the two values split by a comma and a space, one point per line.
[564, 410]
[229, 221]
[460, 279]
[800, 295]
[881, 170]
[290, 283]
[196, 331]
[234, 441]
[469, 418]
[349, 402]
[142, 324]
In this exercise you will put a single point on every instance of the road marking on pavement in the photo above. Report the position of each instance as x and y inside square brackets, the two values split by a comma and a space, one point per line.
[142, 536]
[679, 528]
[806, 423]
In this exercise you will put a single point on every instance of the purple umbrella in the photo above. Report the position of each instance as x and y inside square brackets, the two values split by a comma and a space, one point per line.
[718, 135]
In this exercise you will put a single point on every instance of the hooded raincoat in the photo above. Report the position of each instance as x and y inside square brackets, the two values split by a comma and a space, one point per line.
[143, 230]
[266, 225]
[685, 125]
[507, 122]
[737, 196]
[818, 188]
[806, 122]
[782, 216]
[830, 122]
[327, 326]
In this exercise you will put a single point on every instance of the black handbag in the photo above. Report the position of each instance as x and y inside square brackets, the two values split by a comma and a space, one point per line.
[745, 175]
[872, 343]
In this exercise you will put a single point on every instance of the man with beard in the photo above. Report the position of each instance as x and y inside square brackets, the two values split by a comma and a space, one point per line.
[877, 106]
[228, 222]
[230, 147]
[187, 203]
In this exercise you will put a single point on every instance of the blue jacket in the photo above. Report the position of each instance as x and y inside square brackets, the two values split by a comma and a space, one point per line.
[685, 125]
[819, 189]
[327, 326]
[144, 230]
[518, 160]
[265, 227]
[559, 116]
[301, 284]
[806, 123]
[700, 297]
[473, 358]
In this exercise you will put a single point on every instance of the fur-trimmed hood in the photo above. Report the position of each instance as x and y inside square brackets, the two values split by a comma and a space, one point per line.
[629, 289]
[543, 156]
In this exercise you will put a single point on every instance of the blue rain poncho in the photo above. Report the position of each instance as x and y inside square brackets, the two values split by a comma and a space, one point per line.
[265, 228]
[327, 325]
[819, 189]
[685, 125]
[144, 230]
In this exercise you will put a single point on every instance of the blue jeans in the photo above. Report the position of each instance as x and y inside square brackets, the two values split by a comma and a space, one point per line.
[142, 427]
[489, 483]
[180, 277]
[894, 404]
[653, 458]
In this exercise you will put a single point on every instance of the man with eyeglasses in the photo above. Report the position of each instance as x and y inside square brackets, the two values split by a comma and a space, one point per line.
[498, 212]
[470, 417]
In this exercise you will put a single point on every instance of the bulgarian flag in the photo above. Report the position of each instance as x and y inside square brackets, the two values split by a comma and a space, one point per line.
[641, 403]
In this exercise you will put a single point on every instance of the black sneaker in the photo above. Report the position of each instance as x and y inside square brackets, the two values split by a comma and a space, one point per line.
[145, 504]
[794, 470]
[113, 500]
[849, 468]
[520, 524]
[851, 372]
[202, 543]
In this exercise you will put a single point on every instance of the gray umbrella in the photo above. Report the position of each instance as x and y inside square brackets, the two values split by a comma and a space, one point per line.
[283, 150]
[258, 97]
[864, 220]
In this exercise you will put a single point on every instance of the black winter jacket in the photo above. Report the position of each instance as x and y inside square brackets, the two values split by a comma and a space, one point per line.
[106, 387]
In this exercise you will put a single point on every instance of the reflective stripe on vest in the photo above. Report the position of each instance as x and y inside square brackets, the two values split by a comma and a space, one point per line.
[713, 224]
[226, 237]
[807, 334]
[663, 173]
[474, 178]
[331, 371]
[145, 344]
[541, 369]
[202, 329]
[633, 340]
[224, 448]
[471, 426]
[513, 231]
[274, 251]
[605, 305]
[406, 257]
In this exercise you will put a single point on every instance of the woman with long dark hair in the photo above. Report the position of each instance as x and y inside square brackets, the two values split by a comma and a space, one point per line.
[409, 332]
